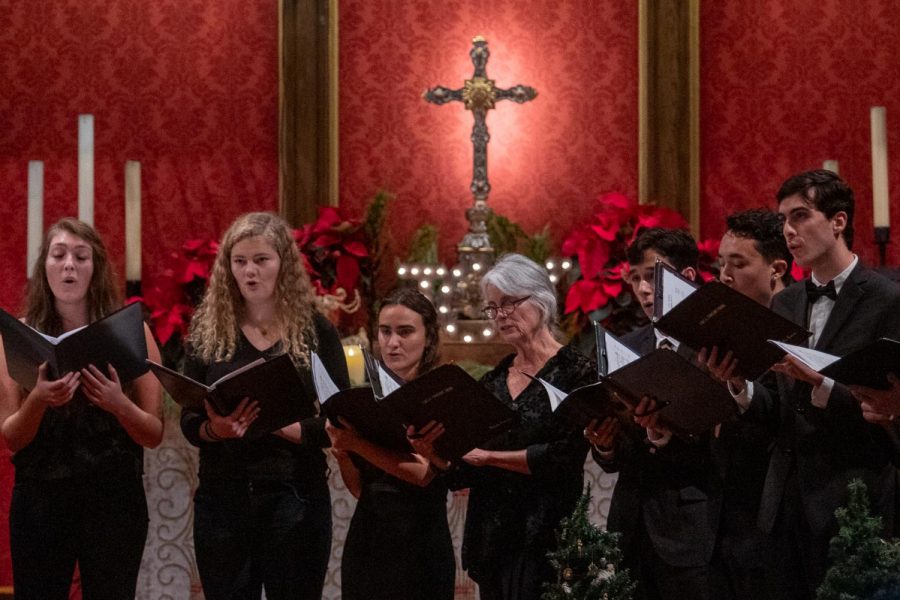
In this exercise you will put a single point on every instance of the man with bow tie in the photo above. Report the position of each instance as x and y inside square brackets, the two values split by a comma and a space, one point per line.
[823, 438]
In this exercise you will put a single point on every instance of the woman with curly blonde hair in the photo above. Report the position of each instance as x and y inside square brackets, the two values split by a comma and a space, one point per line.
[262, 511]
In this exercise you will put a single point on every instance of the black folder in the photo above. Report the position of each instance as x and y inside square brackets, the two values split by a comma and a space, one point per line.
[274, 384]
[688, 399]
[868, 366]
[117, 339]
[470, 414]
[595, 401]
[717, 315]
[372, 418]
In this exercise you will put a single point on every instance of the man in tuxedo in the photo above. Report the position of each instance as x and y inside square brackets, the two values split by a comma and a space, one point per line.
[754, 259]
[823, 439]
[666, 501]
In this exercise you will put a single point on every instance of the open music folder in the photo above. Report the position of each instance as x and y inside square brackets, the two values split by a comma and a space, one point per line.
[117, 339]
[274, 384]
[689, 401]
[470, 414]
[717, 315]
[868, 366]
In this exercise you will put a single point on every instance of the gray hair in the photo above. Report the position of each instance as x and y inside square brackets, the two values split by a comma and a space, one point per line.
[516, 275]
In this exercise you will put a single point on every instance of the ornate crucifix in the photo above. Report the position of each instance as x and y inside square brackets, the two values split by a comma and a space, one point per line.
[479, 95]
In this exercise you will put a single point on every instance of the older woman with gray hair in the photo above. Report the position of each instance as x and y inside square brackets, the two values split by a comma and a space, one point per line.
[524, 481]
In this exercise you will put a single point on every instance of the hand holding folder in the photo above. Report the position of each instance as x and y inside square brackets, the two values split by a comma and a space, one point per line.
[469, 413]
[716, 315]
[274, 384]
[117, 339]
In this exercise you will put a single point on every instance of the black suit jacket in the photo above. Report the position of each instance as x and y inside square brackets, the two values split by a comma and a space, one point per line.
[671, 492]
[818, 451]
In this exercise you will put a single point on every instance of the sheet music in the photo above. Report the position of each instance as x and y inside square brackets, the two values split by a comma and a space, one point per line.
[618, 354]
[388, 383]
[814, 359]
[56, 340]
[555, 394]
[674, 290]
[324, 384]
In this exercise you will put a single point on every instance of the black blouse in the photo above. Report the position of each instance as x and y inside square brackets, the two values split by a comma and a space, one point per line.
[508, 509]
[268, 457]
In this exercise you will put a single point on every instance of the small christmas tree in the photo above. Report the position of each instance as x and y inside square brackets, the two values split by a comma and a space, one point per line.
[587, 561]
[865, 566]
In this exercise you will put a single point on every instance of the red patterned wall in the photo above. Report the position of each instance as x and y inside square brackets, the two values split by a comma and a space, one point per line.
[785, 85]
[187, 87]
[547, 159]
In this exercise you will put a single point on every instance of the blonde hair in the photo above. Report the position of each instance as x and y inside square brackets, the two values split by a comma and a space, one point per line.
[214, 329]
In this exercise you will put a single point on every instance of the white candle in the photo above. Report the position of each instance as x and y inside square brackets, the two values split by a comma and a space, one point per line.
[880, 198]
[86, 168]
[132, 220]
[832, 165]
[35, 213]
[356, 368]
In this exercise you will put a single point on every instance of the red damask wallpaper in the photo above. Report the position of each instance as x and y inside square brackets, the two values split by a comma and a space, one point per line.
[187, 87]
[547, 159]
[786, 85]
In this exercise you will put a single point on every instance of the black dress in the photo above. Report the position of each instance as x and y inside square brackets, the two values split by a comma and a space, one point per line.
[512, 517]
[262, 511]
[398, 546]
[78, 496]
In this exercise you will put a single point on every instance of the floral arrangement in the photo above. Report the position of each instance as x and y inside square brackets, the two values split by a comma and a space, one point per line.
[598, 290]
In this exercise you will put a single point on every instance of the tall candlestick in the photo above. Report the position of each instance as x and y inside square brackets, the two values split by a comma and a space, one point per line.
[35, 213]
[832, 165]
[881, 211]
[132, 220]
[86, 168]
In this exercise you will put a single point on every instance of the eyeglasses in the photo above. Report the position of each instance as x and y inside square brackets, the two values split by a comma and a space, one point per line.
[492, 311]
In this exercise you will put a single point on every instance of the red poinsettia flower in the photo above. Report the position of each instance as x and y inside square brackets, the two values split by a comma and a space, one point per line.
[333, 248]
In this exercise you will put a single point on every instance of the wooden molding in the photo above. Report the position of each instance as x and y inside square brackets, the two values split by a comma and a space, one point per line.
[307, 108]
[669, 106]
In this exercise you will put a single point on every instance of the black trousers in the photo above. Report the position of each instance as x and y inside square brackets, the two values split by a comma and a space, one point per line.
[254, 535]
[98, 522]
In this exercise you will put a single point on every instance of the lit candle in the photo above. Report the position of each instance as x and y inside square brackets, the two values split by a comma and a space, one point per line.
[832, 165]
[86, 168]
[132, 220]
[355, 366]
[880, 199]
[35, 213]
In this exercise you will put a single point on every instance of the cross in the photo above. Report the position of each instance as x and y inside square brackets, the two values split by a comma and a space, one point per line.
[479, 95]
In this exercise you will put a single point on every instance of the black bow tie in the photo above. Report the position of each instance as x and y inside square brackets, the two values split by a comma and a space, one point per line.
[814, 292]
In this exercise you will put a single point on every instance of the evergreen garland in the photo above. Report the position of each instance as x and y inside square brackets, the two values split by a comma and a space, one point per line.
[865, 566]
[587, 561]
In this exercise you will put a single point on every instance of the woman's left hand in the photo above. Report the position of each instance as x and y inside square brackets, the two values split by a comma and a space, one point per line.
[104, 392]
[478, 457]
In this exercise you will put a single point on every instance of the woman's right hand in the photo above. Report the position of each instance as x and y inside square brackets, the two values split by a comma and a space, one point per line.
[55, 393]
[602, 435]
[234, 425]
[344, 438]
[422, 441]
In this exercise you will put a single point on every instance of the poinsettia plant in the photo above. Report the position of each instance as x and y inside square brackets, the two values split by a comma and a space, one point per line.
[599, 291]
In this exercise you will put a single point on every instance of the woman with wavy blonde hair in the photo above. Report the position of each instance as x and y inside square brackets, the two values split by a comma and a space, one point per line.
[262, 511]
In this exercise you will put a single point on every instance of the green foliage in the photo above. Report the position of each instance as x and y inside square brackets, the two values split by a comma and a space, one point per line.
[475, 369]
[587, 561]
[506, 236]
[424, 245]
[865, 566]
